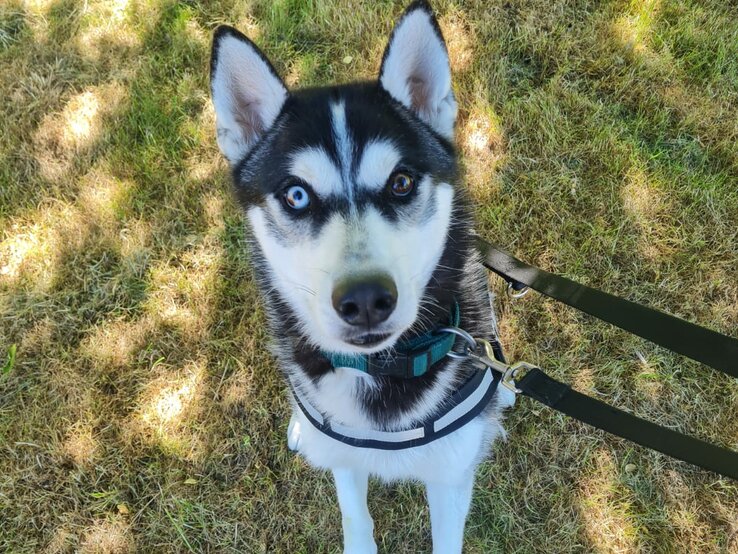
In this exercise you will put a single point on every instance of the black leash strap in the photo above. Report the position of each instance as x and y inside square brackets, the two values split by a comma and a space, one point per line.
[706, 346]
[559, 396]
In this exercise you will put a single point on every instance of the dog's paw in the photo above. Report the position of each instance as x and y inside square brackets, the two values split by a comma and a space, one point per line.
[293, 434]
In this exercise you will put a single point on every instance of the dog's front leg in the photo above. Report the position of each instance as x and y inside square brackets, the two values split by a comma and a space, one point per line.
[358, 527]
[449, 505]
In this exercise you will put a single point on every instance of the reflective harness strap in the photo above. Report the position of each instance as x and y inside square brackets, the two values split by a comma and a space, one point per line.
[465, 404]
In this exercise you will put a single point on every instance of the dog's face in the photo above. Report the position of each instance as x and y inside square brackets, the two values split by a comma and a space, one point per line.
[348, 189]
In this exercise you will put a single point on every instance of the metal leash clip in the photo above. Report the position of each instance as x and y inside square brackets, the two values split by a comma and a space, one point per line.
[481, 353]
[516, 293]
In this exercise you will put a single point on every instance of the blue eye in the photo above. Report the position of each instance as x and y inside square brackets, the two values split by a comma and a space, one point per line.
[296, 198]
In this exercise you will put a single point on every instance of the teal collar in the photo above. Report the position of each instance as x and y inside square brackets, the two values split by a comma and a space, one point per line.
[411, 358]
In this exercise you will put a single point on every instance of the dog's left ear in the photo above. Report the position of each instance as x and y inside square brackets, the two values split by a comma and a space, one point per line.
[416, 70]
[246, 90]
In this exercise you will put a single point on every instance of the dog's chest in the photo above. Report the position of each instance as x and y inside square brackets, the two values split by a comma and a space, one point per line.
[355, 399]
[446, 460]
[339, 396]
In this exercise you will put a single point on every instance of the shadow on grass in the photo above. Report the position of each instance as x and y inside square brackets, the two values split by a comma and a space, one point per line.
[142, 378]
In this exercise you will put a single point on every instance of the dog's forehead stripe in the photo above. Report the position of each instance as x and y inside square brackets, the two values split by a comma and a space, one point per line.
[344, 147]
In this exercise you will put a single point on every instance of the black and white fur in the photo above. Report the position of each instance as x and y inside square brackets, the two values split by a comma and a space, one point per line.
[342, 144]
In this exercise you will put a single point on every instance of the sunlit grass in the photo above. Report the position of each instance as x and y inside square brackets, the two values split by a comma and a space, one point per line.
[62, 137]
[645, 200]
[115, 345]
[634, 30]
[459, 40]
[81, 446]
[16, 250]
[608, 518]
[481, 137]
[107, 537]
[598, 141]
[167, 409]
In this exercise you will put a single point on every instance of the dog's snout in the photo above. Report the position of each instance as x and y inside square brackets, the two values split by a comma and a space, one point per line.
[365, 302]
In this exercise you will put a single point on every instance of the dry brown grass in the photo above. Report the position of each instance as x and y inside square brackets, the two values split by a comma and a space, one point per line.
[143, 412]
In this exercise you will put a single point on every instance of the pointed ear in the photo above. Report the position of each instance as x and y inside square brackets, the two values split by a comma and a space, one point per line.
[416, 71]
[246, 90]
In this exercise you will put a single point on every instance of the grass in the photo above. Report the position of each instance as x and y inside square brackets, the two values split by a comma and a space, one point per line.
[141, 411]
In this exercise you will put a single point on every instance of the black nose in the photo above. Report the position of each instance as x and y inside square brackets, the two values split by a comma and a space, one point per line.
[366, 302]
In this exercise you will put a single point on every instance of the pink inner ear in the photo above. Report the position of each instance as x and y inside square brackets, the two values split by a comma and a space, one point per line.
[416, 70]
[246, 115]
[418, 93]
[247, 95]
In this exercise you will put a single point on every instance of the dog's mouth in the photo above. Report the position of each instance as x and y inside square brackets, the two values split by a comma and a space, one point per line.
[368, 339]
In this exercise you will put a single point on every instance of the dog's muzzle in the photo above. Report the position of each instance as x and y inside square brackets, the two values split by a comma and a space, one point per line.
[366, 301]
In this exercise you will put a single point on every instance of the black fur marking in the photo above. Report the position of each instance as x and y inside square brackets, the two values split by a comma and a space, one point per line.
[226, 30]
[371, 114]
[306, 121]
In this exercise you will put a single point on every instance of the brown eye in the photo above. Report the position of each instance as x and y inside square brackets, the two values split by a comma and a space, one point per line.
[401, 183]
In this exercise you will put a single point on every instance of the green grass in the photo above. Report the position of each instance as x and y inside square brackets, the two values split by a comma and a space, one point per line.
[142, 412]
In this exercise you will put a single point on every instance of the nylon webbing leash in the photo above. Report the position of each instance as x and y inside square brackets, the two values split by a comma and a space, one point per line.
[718, 351]
[700, 344]
[529, 380]
[561, 397]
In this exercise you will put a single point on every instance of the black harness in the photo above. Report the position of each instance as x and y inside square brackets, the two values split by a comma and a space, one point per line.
[465, 404]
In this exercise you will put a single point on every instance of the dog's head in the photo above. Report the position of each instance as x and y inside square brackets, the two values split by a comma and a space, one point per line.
[348, 189]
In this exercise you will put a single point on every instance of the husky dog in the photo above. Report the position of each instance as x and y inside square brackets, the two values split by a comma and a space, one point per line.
[361, 239]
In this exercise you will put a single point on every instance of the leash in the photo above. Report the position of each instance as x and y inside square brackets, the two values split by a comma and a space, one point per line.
[700, 344]
[529, 380]
[716, 350]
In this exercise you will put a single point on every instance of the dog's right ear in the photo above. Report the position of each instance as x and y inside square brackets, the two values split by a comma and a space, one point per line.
[246, 90]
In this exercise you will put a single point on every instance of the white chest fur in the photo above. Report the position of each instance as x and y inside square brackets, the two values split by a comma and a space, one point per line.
[444, 460]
